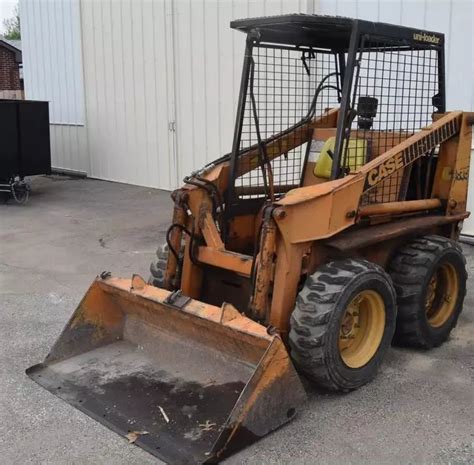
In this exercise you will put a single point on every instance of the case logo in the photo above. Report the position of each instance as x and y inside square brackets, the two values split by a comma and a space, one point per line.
[398, 161]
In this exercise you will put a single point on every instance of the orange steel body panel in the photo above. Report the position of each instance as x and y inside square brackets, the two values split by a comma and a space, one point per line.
[312, 213]
[457, 201]
[392, 208]
[210, 232]
[241, 264]
[259, 304]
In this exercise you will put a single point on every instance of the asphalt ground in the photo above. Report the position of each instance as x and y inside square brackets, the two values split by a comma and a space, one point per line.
[419, 409]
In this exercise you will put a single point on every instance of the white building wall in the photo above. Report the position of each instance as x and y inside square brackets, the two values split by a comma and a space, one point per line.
[52, 69]
[159, 80]
[209, 58]
[455, 18]
[121, 75]
[128, 57]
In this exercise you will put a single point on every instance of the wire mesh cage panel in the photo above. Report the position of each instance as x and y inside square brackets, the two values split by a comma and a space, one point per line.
[281, 87]
[395, 93]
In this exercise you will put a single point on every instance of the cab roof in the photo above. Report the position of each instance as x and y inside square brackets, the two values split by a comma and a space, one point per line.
[333, 32]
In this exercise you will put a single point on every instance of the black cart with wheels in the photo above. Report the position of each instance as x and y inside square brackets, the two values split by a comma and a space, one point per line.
[25, 145]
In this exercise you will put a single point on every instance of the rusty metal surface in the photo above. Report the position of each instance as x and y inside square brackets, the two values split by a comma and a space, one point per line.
[226, 260]
[457, 201]
[395, 208]
[225, 286]
[196, 383]
[209, 230]
[264, 268]
[364, 237]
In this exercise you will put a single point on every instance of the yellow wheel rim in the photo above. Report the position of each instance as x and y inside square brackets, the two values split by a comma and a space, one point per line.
[362, 327]
[441, 296]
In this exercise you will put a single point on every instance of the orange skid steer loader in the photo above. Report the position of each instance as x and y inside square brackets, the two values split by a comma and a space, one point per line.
[329, 230]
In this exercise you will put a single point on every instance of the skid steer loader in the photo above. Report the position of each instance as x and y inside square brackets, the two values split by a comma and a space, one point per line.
[328, 230]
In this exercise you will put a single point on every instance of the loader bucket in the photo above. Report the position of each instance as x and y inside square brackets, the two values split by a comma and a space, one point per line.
[186, 381]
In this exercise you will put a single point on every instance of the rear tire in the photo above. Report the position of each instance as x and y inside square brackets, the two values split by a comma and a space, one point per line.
[343, 323]
[430, 276]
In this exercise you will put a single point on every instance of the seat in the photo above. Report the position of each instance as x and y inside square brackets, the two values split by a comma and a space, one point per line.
[356, 156]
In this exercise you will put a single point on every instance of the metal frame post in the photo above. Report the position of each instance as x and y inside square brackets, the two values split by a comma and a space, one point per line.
[345, 102]
[239, 121]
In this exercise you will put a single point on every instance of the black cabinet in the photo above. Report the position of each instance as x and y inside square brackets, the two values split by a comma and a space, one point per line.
[24, 138]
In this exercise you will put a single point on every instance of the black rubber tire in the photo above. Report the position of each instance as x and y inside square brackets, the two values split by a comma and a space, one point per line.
[158, 266]
[316, 320]
[411, 271]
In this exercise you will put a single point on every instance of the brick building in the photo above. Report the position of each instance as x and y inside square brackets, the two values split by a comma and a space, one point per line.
[10, 61]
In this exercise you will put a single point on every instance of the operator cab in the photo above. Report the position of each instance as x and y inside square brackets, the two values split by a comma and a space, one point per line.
[321, 96]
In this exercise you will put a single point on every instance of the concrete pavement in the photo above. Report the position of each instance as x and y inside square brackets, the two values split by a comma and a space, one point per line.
[418, 410]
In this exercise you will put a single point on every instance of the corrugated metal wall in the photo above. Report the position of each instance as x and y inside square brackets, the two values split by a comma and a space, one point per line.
[161, 81]
[128, 64]
[161, 78]
[56, 75]
[52, 64]
[209, 57]
[455, 18]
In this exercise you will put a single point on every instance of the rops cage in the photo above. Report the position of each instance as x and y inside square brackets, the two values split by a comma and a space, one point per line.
[385, 81]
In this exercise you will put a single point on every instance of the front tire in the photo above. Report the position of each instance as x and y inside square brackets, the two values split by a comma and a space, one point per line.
[158, 268]
[343, 323]
[430, 276]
